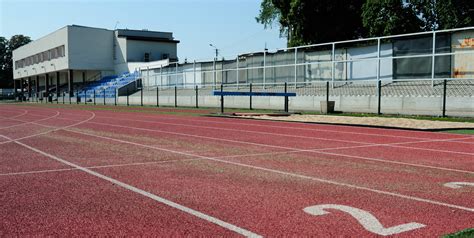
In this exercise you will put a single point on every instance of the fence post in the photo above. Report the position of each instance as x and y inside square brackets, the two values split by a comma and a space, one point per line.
[63, 97]
[115, 97]
[327, 92]
[433, 58]
[264, 67]
[445, 83]
[237, 72]
[379, 97]
[333, 58]
[69, 93]
[286, 97]
[222, 99]
[157, 96]
[296, 66]
[77, 96]
[197, 95]
[141, 96]
[161, 75]
[194, 72]
[250, 96]
[128, 103]
[175, 96]
[104, 97]
[215, 73]
[94, 96]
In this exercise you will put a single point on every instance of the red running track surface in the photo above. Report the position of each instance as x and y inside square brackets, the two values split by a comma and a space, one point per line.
[65, 171]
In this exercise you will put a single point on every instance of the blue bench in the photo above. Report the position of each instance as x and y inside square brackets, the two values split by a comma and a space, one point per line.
[263, 94]
[250, 94]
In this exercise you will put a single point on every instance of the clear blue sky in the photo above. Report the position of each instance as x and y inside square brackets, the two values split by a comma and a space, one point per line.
[228, 24]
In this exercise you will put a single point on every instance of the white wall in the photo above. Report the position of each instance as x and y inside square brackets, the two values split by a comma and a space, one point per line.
[120, 50]
[50, 41]
[137, 49]
[90, 48]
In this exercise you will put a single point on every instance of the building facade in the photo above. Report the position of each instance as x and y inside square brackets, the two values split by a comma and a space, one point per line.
[79, 54]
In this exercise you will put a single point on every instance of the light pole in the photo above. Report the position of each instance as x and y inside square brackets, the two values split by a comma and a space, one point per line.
[214, 65]
[217, 50]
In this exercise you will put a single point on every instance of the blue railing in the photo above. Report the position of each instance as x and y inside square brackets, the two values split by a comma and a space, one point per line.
[107, 85]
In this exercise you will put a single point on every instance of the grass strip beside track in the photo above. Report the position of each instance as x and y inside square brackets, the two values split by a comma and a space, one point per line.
[467, 233]
[462, 132]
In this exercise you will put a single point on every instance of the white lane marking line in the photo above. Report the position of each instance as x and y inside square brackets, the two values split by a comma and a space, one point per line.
[348, 156]
[31, 122]
[366, 219]
[287, 148]
[97, 167]
[24, 113]
[434, 150]
[285, 173]
[364, 144]
[276, 146]
[182, 208]
[290, 150]
[46, 132]
[249, 131]
[457, 185]
[287, 127]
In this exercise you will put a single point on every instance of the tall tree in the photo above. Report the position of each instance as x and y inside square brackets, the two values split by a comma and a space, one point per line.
[315, 21]
[390, 17]
[6, 53]
[3, 65]
[445, 14]
[309, 21]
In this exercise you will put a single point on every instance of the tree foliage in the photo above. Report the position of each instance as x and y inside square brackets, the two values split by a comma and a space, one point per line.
[309, 21]
[6, 55]
[389, 17]
[316, 21]
[445, 14]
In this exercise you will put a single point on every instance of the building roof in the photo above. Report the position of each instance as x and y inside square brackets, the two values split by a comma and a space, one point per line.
[145, 35]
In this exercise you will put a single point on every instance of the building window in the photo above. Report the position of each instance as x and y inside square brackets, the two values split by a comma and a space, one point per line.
[147, 57]
[47, 55]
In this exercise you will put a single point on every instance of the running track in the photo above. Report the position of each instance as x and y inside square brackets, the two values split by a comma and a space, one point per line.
[65, 171]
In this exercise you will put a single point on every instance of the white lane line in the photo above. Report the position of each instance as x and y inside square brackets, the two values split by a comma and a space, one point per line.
[368, 144]
[97, 167]
[464, 142]
[349, 156]
[249, 131]
[24, 113]
[289, 149]
[169, 203]
[347, 147]
[284, 173]
[31, 122]
[285, 127]
[434, 150]
[49, 131]
[457, 185]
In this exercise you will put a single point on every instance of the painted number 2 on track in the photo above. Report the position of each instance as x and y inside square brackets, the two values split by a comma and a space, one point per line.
[367, 220]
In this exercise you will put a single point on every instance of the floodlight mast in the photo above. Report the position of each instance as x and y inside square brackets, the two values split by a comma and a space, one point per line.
[217, 50]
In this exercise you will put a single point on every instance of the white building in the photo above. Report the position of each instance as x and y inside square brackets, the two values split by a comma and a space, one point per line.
[79, 54]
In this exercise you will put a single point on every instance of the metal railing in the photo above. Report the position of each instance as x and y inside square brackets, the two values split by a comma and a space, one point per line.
[331, 61]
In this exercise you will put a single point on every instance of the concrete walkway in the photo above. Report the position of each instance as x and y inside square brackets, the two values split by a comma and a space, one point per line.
[404, 123]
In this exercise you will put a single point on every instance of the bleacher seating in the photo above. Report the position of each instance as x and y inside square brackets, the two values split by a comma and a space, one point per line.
[107, 85]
